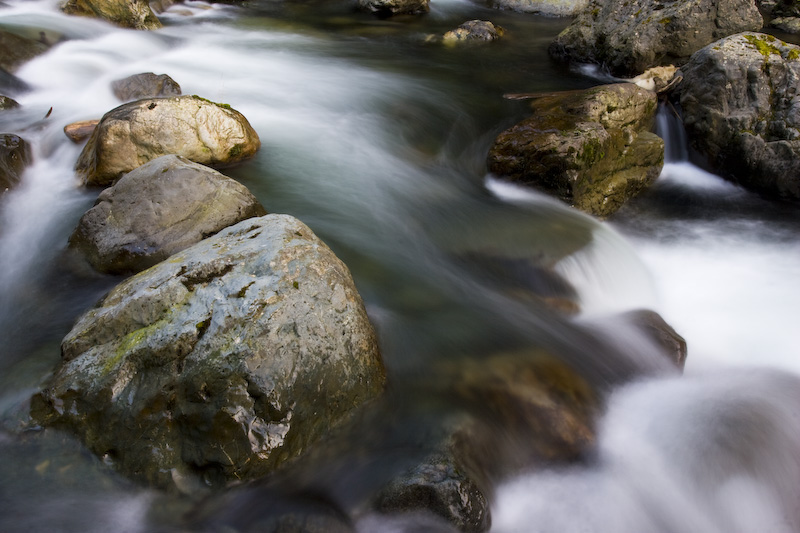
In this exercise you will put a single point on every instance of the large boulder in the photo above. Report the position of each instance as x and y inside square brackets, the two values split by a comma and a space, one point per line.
[742, 110]
[16, 50]
[223, 362]
[145, 85]
[15, 155]
[159, 209]
[592, 149]
[132, 134]
[134, 14]
[553, 8]
[630, 37]
[388, 8]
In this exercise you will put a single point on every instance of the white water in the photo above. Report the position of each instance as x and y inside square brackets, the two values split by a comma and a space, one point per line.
[714, 451]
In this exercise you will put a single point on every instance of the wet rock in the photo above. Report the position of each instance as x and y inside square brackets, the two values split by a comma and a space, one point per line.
[80, 131]
[740, 104]
[388, 8]
[474, 30]
[132, 134]
[779, 8]
[16, 50]
[592, 149]
[787, 24]
[223, 363]
[658, 79]
[630, 37]
[134, 14]
[15, 155]
[11, 83]
[159, 209]
[7, 103]
[145, 85]
[662, 334]
[553, 8]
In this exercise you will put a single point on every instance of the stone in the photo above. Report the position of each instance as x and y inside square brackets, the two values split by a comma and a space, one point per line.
[592, 149]
[15, 155]
[654, 327]
[137, 132]
[787, 24]
[741, 109]
[223, 363]
[162, 207]
[145, 85]
[7, 103]
[78, 132]
[630, 37]
[474, 31]
[16, 50]
[553, 8]
[389, 8]
[135, 14]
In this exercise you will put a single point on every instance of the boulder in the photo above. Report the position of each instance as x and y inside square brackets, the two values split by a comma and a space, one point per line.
[7, 103]
[78, 132]
[15, 155]
[135, 14]
[592, 149]
[16, 50]
[389, 8]
[132, 134]
[474, 30]
[222, 363]
[630, 37]
[553, 8]
[655, 328]
[160, 208]
[741, 110]
[787, 24]
[145, 85]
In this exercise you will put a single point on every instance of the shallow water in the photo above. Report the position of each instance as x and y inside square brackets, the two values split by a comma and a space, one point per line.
[377, 140]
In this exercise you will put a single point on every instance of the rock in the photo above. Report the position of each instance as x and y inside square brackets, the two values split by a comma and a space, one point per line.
[15, 155]
[389, 8]
[160, 208]
[474, 30]
[779, 8]
[80, 131]
[658, 79]
[787, 24]
[193, 127]
[662, 334]
[553, 8]
[16, 50]
[145, 85]
[592, 149]
[741, 110]
[7, 103]
[630, 37]
[9, 82]
[224, 362]
[134, 14]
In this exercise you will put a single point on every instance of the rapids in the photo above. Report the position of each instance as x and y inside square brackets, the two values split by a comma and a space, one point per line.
[377, 140]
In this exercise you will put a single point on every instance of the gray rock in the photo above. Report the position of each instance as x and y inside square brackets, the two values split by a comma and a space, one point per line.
[159, 209]
[145, 85]
[193, 127]
[15, 155]
[7, 103]
[224, 362]
[742, 110]
[779, 8]
[474, 30]
[592, 149]
[134, 14]
[388, 8]
[630, 37]
[16, 50]
[553, 8]
[787, 24]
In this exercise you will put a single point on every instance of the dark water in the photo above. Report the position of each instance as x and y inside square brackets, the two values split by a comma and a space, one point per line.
[377, 139]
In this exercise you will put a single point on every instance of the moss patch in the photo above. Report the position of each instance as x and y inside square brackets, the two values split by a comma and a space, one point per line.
[763, 45]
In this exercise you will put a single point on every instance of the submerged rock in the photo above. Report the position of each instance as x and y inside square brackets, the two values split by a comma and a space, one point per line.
[16, 50]
[655, 328]
[592, 149]
[388, 8]
[132, 134]
[134, 14]
[224, 362]
[630, 37]
[15, 155]
[159, 209]
[145, 85]
[7, 103]
[474, 30]
[740, 104]
[555, 8]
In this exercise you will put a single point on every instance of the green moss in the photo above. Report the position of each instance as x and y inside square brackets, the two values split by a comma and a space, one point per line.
[129, 344]
[793, 54]
[665, 21]
[236, 150]
[763, 45]
[225, 106]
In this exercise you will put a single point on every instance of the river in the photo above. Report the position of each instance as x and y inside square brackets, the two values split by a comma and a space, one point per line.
[377, 140]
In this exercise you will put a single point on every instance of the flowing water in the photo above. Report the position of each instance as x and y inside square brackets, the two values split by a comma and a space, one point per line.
[377, 139]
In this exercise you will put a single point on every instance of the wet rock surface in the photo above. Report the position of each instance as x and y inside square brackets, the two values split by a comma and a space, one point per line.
[16, 50]
[389, 8]
[557, 8]
[474, 31]
[15, 155]
[145, 85]
[135, 14]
